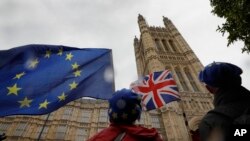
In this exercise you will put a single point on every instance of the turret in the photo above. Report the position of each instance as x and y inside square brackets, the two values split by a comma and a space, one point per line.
[143, 26]
[168, 23]
[136, 42]
[140, 18]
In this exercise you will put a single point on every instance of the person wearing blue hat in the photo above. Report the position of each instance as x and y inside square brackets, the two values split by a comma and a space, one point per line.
[124, 109]
[231, 100]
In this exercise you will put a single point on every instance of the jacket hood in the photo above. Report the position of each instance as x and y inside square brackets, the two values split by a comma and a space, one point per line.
[231, 95]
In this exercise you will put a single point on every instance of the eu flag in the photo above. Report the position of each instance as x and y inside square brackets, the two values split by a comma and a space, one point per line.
[38, 79]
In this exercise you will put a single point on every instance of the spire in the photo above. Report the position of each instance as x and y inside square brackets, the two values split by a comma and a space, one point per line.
[136, 41]
[142, 23]
[165, 19]
[140, 18]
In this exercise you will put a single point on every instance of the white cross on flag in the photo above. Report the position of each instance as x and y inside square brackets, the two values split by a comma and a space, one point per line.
[157, 89]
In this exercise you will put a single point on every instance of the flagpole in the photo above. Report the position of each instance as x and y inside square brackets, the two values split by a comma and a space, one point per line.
[185, 119]
[111, 57]
[44, 124]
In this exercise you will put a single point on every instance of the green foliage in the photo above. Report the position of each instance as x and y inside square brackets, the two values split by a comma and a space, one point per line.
[237, 16]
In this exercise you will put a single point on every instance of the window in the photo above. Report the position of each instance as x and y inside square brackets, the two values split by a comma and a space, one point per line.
[20, 129]
[67, 113]
[165, 44]
[61, 132]
[191, 80]
[198, 105]
[146, 71]
[158, 45]
[172, 45]
[44, 132]
[84, 115]
[185, 104]
[182, 81]
[208, 105]
[155, 121]
[192, 104]
[103, 117]
[81, 134]
[37, 131]
[205, 105]
[4, 127]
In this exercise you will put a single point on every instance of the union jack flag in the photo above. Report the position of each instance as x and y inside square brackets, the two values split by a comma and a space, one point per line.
[157, 89]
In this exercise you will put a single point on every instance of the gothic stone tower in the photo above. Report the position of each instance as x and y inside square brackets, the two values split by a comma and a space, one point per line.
[161, 48]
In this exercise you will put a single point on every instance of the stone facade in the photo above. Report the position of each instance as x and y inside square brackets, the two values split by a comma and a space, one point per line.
[77, 121]
[160, 48]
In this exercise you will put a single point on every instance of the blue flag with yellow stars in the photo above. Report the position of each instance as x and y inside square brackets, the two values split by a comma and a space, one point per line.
[38, 79]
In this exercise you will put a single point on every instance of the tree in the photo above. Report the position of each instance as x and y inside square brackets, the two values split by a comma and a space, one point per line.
[237, 16]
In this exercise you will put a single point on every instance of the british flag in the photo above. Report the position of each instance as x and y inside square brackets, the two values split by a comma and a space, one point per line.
[157, 89]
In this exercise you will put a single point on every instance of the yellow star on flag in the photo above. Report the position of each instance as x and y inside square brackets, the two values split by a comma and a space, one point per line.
[19, 75]
[75, 66]
[73, 85]
[48, 53]
[69, 56]
[44, 104]
[13, 90]
[60, 52]
[25, 102]
[77, 73]
[33, 63]
[62, 97]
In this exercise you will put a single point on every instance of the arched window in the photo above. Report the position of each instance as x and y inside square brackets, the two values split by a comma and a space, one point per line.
[181, 79]
[142, 58]
[191, 80]
[145, 71]
[67, 113]
[172, 44]
[158, 45]
[81, 134]
[103, 117]
[61, 131]
[165, 45]
[142, 119]
[155, 121]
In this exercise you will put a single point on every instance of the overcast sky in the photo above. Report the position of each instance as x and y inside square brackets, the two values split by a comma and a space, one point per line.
[113, 24]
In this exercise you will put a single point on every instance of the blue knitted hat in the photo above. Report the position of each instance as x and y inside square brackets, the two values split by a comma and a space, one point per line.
[124, 107]
[221, 74]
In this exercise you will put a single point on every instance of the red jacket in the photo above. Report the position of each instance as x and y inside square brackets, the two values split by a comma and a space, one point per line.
[132, 133]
